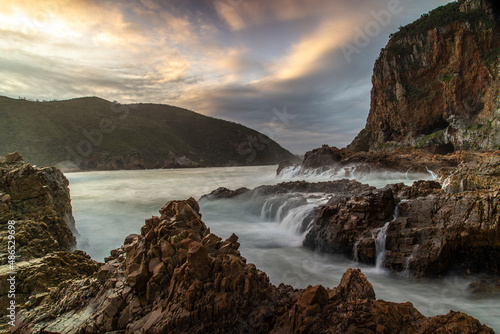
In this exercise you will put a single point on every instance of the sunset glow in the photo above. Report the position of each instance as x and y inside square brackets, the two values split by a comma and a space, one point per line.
[235, 59]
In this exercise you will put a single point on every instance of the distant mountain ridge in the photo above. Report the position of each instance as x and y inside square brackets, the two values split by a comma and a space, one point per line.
[91, 133]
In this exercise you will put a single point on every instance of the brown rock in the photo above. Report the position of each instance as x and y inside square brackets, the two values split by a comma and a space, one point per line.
[218, 292]
[13, 158]
[198, 260]
[6, 198]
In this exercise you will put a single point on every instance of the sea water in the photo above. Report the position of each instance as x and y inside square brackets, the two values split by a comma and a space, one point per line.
[109, 205]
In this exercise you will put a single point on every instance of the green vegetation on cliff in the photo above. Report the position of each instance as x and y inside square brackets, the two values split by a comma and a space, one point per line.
[436, 81]
[440, 17]
[93, 133]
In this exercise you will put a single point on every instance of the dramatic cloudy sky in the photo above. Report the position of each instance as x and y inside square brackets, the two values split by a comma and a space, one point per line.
[296, 70]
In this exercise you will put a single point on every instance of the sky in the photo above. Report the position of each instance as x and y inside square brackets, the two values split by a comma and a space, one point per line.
[298, 71]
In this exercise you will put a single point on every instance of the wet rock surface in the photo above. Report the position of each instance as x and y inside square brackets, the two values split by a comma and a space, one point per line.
[177, 277]
[472, 174]
[338, 187]
[328, 158]
[428, 232]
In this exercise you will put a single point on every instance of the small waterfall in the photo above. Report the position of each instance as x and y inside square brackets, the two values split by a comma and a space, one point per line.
[380, 238]
[295, 222]
[395, 215]
[266, 211]
[292, 211]
[290, 172]
[355, 250]
[434, 175]
[406, 271]
[446, 184]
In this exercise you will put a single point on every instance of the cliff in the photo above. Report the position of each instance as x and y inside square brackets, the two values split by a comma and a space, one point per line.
[91, 133]
[436, 83]
[38, 201]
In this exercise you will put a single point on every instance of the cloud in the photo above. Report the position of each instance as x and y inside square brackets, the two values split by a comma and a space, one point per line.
[236, 59]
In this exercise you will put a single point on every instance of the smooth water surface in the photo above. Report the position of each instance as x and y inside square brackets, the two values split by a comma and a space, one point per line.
[108, 206]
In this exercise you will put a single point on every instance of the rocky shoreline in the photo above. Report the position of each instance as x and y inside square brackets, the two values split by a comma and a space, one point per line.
[178, 277]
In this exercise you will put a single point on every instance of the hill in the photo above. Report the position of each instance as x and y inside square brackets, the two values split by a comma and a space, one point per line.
[92, 133]
[436, 85]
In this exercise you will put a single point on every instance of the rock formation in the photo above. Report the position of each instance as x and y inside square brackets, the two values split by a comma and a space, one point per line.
[472, 174]
[436, 83]
[178, 277]
[427, 232]
[38, 200]
[337, 187]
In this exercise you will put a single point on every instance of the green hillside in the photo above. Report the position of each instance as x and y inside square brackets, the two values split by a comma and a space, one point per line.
[92, 133]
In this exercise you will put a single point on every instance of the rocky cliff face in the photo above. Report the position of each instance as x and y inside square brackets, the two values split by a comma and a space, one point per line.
[177, 277]
[38, 200]
[436, 83]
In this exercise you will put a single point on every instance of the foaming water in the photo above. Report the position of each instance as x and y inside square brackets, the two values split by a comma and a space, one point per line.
[110, 205]
[355, 172]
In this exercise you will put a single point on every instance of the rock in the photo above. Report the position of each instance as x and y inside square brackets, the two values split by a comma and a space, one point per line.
[223, 192]
[6, 198]
[198, 261]
[343, 221]
[38, 200]
[356, 164]
[173, 161]
[428, 232]
[485, 287]
[323, 156]
[483, 172]
[354, 285]
[13, 158]
[437, 89]
[213, 290]
[282, 165]
[337, 187]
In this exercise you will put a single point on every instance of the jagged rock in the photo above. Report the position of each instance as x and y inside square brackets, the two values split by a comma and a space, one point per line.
[483, 173]
[36, 191]
[433, 232]
[363, 163]
[321, 157]
[205, 286]
[14, 158]
[343, 221]
[38, 200]
[223, 192]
